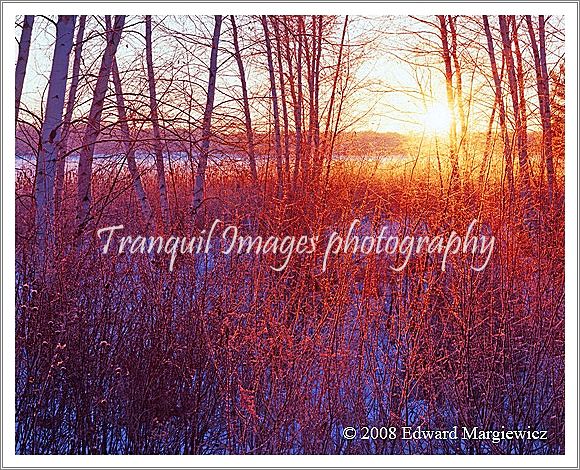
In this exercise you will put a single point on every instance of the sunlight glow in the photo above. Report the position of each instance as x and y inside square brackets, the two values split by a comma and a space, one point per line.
[437, 119]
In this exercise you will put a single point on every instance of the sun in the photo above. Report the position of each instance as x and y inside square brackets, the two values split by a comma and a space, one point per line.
[437, 119]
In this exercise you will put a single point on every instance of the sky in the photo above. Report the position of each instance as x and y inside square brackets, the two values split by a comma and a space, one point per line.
[389, 99]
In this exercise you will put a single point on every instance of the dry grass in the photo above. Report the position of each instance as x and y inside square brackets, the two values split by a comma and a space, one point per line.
[118, 355]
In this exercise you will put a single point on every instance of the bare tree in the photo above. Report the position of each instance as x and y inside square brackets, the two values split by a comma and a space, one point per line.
[316, 57]
[501, 106]
[458, 82]
[296, 95]
[51, 131]
[199, 184]
[93, 127]
[547, 118]
[276, 114]
[245, 102]
[282, 97]
[159, 164]
[309, 55]
[70, 104]
[22, 61]
[488, 145]
[543, 87]
[147, 213]
[326, 148]
[520, 79]
[301, 160]
[450, 99]
[519, 130]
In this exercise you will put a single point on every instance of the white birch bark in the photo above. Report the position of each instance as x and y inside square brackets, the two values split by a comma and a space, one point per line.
[63, 147]
[93, 127]
[51, 131]
[22, 61]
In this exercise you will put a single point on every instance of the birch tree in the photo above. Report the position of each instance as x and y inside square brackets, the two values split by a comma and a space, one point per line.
[159, 164]
[543, 87]
[51, 131]
[199, 183]
[547, 118]
[458, 83]
[146, 212]
[519, 130]
[450, 98]
[296, 95]
[282, 97]
[275, 112]
[309, 55]
[501, 107]
[316, 57]
[70, 104]
[22, 61]
[488, 145]
[93, 127]
[520, 80]
[245, 102]
[327, 149]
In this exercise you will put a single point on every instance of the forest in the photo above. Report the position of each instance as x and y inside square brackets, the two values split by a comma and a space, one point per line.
[288, 126]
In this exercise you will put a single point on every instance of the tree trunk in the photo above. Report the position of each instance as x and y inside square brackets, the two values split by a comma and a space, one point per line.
[458, 83]
[309, 55]
[296, 106]
[51, 131]
[316, 72]
[147, 213]
[282, 98]
[22, 61]
[93, 127]
[159, 163]
[335, 132]
[488, 146]
[199, 185]
[543, 87]
[303, 152]
[63, 147]
[547, 108]
[507, 154]
[327, 152]
[450, 100]
[512, 80]
[276, 115]
[245, 102]
[519, 70]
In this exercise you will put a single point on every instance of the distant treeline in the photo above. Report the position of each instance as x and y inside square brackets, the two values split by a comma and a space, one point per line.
[365, 143]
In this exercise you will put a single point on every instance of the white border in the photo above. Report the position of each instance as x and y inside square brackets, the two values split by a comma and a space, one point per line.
[10, 10]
